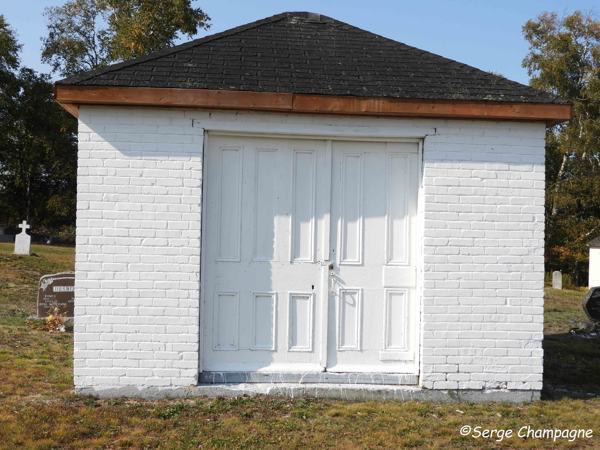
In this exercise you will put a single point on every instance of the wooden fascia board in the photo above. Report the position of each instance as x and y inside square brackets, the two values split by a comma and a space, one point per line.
[171, 97]
[72, 108]
[549, 113]
[544, 112]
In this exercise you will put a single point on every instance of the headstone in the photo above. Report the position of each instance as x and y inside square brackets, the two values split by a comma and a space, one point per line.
[556, 280]
[56, 294]
[23, 240]
[591, 304]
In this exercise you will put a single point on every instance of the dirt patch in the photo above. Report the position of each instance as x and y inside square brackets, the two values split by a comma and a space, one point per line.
[10, 274]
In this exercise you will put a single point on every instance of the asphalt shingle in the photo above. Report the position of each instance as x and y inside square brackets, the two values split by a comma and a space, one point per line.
[306, 53]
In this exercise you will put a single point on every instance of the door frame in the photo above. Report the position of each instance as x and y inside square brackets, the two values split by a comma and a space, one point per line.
[321, 347]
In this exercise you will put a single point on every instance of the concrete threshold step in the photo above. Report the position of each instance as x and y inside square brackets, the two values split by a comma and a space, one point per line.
[350, 392]
[308, 378]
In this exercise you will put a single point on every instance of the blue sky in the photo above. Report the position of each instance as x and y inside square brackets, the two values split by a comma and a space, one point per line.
[484, 33]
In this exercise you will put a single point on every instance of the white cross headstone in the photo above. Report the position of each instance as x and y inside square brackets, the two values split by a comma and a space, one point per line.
[556, 280]
[23, 240]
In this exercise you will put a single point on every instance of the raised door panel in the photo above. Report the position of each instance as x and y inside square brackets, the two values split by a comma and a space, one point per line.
[265, 204]
[229, 203]
[372, 314]
[262, 222]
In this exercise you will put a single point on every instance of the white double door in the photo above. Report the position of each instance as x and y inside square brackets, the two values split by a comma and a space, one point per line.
[309, 256]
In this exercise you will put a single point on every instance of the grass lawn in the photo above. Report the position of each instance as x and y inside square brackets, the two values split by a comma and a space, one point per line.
[39, 411]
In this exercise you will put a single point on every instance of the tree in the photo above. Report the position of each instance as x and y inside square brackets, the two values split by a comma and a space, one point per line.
[38, 156]
[9, 61]
[38, 151]
[74, 43]
[9, 48]
[144, 26]
[88, 34]
[563, 59]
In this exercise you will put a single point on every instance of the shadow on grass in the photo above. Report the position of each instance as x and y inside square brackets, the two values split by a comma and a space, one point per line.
[571, 366]
[571, 361]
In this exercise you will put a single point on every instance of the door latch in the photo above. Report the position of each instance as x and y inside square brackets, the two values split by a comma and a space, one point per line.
[329, 264]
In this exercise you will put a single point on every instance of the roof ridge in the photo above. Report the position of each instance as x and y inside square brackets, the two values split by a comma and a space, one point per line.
[77, 78]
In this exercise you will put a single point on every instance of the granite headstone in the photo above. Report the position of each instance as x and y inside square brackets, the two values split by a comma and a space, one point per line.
[56, 294]
[556, 280]
[591, 304]
[23, 240]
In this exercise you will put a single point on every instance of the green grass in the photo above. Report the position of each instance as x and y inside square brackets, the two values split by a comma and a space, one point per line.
[39, 411]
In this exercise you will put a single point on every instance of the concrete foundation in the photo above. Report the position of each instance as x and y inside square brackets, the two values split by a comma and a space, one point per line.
[355, 392]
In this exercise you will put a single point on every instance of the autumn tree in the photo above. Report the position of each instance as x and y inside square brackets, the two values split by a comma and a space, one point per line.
[88, 34]
[563, 59]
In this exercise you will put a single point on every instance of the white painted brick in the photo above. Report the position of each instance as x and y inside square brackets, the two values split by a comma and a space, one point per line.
[138, 247]
[504, 209]
[122, 185]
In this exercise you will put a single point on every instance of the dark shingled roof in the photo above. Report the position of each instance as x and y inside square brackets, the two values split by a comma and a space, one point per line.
[594, 242]
[306, 53]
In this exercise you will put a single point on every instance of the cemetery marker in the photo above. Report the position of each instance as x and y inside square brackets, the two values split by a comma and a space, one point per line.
[556, 280]
[23, 240]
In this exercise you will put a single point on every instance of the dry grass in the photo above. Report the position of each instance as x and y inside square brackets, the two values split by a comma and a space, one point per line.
[562, 309]
[39, 411]
[19, 277]
[263, 423]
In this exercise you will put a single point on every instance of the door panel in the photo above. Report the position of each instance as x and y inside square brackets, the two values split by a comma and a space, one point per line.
[265, 204]
[372, 305]
[303, 205]
[264, 235]
[351, 214]
[275, 211]
[229, 203]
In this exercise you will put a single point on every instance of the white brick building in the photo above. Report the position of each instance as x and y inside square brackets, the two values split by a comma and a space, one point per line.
[232, 239]
[594, 262]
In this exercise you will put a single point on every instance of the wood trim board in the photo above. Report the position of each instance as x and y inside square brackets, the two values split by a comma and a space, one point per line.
[70, 96]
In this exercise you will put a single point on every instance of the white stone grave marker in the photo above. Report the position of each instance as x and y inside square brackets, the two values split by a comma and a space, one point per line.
[556, 280]
[23, 240]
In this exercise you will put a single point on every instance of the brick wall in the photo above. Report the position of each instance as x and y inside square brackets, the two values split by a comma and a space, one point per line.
[483, 257]
[138, 248]
[138, 244]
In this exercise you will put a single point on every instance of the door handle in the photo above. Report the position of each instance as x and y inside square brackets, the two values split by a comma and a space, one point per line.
[327, 275]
